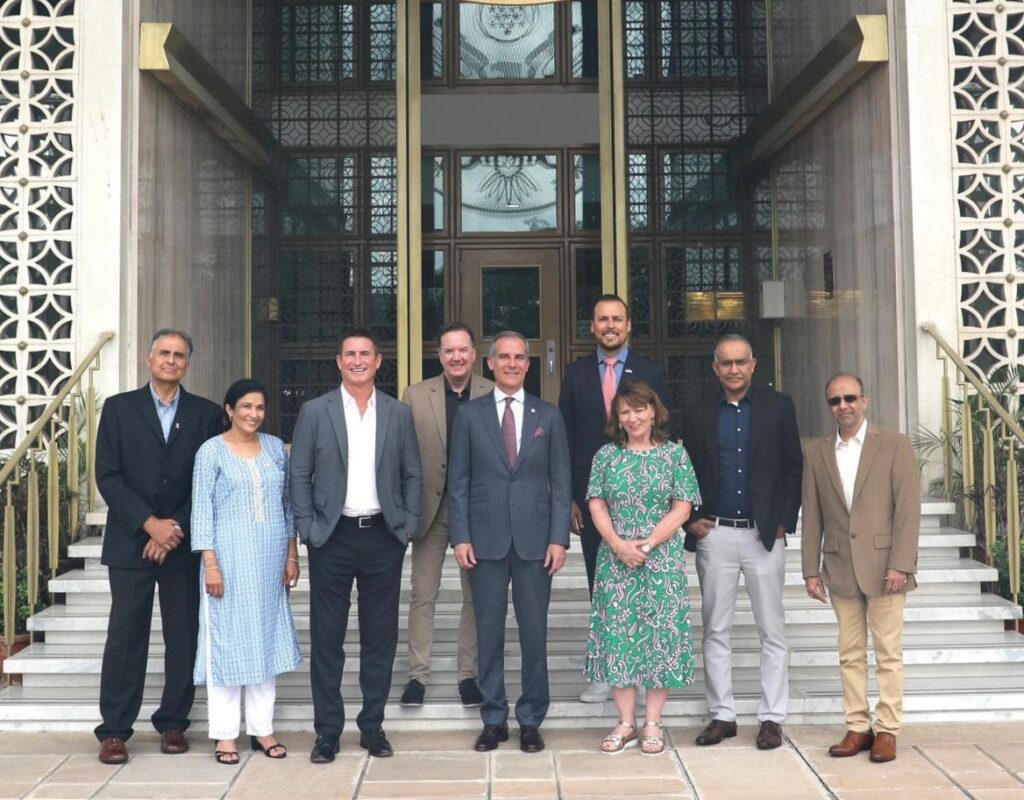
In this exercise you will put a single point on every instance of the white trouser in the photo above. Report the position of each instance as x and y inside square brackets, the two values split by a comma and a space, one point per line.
[722, 556]
[224, 706]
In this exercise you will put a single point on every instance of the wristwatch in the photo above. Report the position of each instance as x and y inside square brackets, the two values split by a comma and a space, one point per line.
[645, 548]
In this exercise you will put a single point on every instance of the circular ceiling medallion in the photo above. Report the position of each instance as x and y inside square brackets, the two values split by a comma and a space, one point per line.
[506, 23]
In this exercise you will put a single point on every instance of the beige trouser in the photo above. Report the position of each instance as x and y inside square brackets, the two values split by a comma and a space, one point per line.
[884, 614]
[428, 554]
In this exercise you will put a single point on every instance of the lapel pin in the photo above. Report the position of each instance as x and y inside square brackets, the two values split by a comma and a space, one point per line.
[177, 426]
[628, 371]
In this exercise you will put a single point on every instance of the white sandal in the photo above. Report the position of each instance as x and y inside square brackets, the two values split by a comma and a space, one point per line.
[615, 743]
[653, 745]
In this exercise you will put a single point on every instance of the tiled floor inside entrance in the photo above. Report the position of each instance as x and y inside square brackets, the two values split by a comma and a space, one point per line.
[980, 761]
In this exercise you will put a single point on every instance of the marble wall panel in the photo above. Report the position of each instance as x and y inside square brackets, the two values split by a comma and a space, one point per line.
[834, 195]
[800, 28]
[219, 29]
[192, 231]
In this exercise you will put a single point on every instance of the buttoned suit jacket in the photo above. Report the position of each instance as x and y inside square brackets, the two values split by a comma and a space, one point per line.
[775, 461]
[851, 549]
[426, 400]
[581, 403]
[496, 506]
[318, 467]
[140, 475]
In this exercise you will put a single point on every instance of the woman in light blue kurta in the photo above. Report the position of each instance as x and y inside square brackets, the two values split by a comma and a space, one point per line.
[242, 521]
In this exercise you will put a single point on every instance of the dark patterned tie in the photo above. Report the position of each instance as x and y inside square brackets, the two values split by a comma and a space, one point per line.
[508, 432]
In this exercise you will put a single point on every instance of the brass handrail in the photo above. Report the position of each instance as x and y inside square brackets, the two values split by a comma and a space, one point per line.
[1013, 438]
[46, 451]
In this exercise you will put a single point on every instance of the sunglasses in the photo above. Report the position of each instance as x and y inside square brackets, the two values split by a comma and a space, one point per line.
[849, 399]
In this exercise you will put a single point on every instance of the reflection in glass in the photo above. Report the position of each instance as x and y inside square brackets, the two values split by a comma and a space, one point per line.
[383, 43]
[588, 287]
[588, 191]
[383, 195]
[636, 42]
[698, 192]
[584, 39]
[503, 42]
[317, 43]
[698, 38]
[509, 193]
[431, 41]
[320, 196]
[433, 295]
[704, 285]
[384, 294]
[640, 291]
[510, 300]
[432, 193]
[639, 217]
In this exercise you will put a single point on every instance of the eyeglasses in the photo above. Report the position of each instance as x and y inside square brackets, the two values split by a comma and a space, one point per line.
[740, 363]
[849, 399]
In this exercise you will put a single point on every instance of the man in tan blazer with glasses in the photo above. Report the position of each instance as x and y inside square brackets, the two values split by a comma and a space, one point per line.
[861, 519]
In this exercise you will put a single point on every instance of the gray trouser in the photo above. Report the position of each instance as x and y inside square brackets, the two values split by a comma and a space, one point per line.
[722, 556]
[428, 555]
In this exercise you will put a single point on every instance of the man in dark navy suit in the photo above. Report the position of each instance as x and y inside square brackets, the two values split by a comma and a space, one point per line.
[585, 403]
[145, 449]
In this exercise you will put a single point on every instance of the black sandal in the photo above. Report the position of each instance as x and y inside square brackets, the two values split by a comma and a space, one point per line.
[228, 757]
[276, 750]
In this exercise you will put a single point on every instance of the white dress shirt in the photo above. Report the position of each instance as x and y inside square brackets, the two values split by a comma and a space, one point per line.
[361, 498]
[848, 460]
[518, 400]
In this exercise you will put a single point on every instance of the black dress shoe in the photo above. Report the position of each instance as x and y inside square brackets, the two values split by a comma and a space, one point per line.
[715, 731]
[469, 693]
[324, 749]
[489, 738]
[413, 694]
[376, 743]
[530, 740]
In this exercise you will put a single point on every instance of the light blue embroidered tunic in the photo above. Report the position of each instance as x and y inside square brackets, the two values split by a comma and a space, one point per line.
[241, 510]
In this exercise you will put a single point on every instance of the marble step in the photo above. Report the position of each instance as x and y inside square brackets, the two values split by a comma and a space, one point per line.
[805, 650]
[934, 610]
[815, 701]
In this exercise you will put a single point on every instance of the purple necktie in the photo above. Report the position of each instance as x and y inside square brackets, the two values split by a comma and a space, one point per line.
[508, 432]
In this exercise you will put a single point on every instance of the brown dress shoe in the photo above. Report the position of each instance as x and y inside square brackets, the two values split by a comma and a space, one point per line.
[173, 742]
[884, 748]
[852, 744]
[769, 736]
[113, 751]
[716, 730]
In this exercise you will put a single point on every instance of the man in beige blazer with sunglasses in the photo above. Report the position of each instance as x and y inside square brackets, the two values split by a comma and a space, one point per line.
[859, 532]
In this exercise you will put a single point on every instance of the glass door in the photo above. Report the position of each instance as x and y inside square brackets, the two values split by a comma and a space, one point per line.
[515, 289]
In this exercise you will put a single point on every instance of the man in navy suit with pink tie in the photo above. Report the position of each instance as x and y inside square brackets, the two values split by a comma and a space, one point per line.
[585, 403]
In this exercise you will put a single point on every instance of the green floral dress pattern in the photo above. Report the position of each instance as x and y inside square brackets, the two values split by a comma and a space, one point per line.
[640, 633]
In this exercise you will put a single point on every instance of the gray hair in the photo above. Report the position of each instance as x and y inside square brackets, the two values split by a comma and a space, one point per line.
[733, 337]
[164, 332]
[508, 335]
[839, 375]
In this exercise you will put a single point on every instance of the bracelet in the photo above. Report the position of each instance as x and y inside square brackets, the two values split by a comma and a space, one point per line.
[293, 559]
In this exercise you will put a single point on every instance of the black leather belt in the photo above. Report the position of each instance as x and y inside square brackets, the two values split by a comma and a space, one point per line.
[364, 522]
[735, 523]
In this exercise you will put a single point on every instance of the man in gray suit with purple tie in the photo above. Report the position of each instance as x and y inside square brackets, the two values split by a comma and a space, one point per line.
[510, 489]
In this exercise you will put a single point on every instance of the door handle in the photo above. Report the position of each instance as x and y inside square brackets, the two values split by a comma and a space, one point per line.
[550, 347]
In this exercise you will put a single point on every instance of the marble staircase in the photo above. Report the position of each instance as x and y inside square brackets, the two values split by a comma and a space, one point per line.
[961, 663]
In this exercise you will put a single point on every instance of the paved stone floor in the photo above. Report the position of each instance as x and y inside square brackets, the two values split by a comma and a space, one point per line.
[980, 761]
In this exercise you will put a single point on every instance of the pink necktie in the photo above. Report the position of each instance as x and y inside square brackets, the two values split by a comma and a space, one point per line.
[608, 385]
[508, 432]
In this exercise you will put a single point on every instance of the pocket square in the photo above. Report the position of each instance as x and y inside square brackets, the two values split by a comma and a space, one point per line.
[537, 434]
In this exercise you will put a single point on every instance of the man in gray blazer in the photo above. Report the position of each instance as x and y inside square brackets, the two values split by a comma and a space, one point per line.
[355, 487]
[510, 489]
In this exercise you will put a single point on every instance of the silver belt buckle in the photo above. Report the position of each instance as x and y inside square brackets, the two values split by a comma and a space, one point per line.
[366, 520]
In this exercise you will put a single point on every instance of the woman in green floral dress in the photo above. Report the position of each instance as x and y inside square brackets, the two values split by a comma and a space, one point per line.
[642, 489]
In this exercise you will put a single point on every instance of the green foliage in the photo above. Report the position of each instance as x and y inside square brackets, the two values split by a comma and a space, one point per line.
[21, 612]
[1005, 385]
